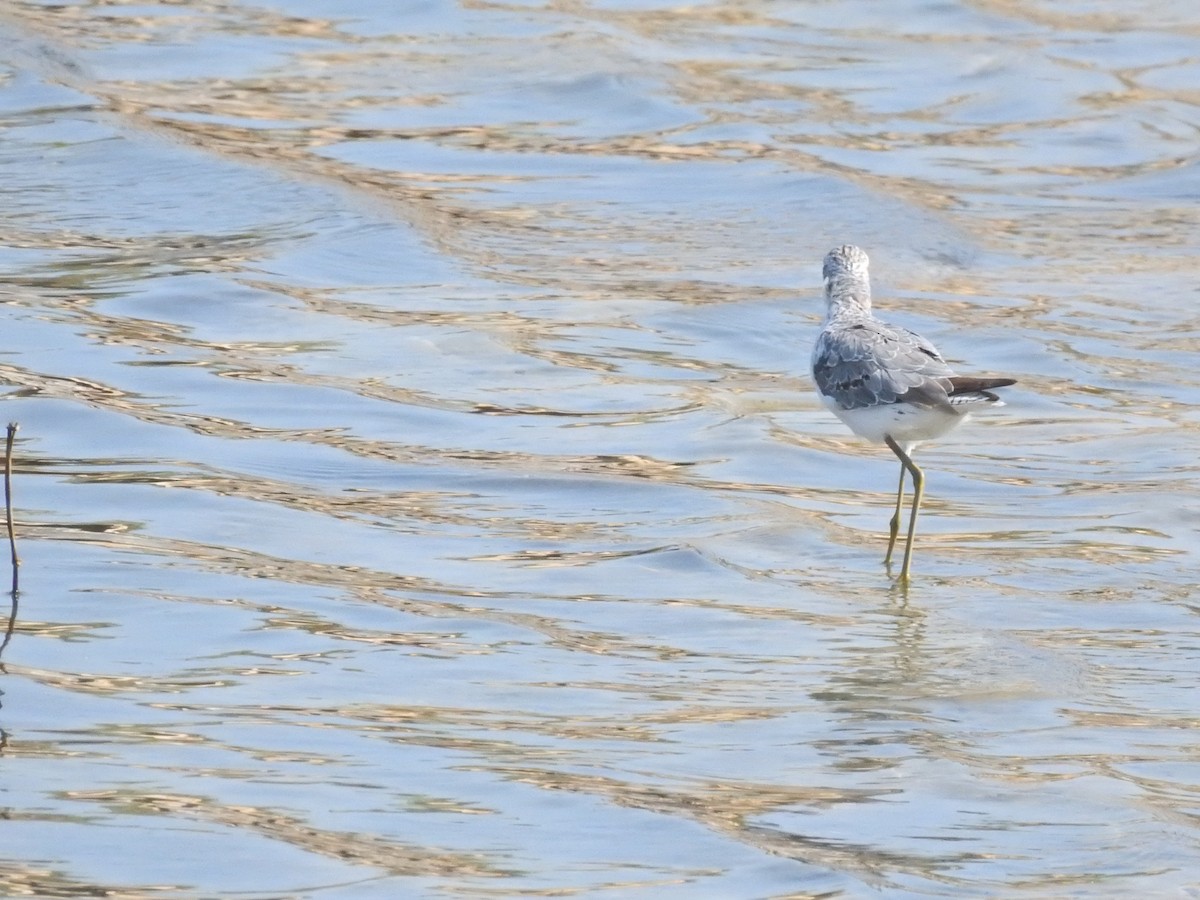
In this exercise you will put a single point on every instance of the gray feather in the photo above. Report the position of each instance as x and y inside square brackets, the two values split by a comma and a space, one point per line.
[865, 362]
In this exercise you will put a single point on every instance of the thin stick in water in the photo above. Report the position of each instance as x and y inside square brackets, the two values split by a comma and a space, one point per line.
[12, 537]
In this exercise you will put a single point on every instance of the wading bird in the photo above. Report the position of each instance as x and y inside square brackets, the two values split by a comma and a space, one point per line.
[888, 384]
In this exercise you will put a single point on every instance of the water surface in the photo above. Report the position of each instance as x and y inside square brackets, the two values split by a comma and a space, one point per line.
[421, 491]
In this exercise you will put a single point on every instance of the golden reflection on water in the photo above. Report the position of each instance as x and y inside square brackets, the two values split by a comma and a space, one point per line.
[355, 849]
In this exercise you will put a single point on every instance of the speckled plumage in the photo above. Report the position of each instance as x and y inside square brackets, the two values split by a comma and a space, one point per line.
[888, 384]
[860, 362]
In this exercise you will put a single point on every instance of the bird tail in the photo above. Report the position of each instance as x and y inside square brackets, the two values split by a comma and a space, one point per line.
[972, 389]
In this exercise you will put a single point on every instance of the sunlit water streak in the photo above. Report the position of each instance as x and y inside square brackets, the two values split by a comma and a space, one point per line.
[421, 491]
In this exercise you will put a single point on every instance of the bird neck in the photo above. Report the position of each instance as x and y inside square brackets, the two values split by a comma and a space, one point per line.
[848, 297]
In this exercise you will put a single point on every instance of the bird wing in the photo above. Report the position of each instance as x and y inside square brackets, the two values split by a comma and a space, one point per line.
[870, 363]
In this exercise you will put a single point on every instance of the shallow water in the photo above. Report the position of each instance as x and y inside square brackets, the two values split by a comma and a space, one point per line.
[421, 491]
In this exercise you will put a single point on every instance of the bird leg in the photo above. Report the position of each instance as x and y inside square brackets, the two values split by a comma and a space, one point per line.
[894, 525]
[918, 478]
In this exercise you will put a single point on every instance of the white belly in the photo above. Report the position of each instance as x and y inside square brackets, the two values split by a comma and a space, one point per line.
[904, 423]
